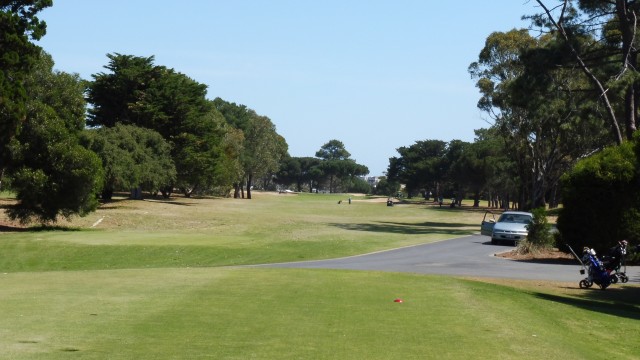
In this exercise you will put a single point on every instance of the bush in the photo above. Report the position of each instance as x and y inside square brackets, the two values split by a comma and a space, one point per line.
[358, 185]
[539, 236]
[601, 199]
[387, 188]
[539, 229]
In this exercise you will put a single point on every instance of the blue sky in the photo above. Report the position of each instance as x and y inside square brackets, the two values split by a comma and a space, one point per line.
[376, 75]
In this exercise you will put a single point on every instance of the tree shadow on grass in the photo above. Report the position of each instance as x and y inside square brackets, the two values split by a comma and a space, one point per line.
[112, 204]
[409, 228]
[36, 228]
[550, 261]
[168, 201]
[9, 228]
[119, 204]
[446, 206]
[40, 228]
[6, 206]
[621, 302]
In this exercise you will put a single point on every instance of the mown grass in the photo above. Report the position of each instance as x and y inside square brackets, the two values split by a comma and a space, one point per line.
[216, 232]
[148, 282]
[242, 313]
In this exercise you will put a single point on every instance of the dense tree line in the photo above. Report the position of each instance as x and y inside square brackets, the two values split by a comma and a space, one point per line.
[332, 169]
[562, 98]
[454, 170]
[544, 119]
[147, 129]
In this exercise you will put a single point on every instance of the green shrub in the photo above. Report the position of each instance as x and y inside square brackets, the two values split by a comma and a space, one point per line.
[601, 199]
[387, 188]
[358, 185]
[539, 229]
[539, 236]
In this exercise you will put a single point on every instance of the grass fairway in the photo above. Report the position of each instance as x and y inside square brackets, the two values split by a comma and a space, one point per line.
[214, 232]
[240, 313]
[148, 282]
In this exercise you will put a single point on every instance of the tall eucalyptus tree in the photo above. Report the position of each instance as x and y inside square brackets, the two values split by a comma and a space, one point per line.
[541, 107]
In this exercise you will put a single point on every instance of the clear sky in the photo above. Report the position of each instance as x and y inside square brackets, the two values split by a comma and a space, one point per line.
[376, 75]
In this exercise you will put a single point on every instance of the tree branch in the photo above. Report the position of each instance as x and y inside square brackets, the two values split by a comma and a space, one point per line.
[615, 128]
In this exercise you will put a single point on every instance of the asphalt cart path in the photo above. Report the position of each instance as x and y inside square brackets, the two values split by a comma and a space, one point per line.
[467, 256]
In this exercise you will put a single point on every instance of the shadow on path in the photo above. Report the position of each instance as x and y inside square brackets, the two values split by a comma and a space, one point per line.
[410, 228]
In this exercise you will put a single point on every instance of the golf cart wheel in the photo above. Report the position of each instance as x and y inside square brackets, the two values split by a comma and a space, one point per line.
[614, 279]
[603, 286]
[584, 284]
[624, 278]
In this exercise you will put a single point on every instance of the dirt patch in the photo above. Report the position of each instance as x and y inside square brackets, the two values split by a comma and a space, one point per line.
[544, 256]
[6, 224]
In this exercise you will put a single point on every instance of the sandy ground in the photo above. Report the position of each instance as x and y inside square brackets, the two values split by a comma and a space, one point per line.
[550, 255]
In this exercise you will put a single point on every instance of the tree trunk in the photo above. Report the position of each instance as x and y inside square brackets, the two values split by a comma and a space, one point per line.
[166, 191]
[630, 111]
[627, 25]
[523, 199]
[136, 193]
[236, 190]
[553, 200]
[107, 194]
[538, 189]
[636, 102]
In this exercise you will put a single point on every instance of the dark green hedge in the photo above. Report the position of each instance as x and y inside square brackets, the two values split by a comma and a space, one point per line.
[601, 199]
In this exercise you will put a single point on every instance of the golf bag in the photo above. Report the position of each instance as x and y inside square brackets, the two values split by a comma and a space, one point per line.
[614, 262]
[596, 271]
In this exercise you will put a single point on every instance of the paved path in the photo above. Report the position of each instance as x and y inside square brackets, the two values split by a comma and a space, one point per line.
[466, 256]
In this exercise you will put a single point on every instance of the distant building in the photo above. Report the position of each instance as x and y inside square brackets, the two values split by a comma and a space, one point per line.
[372, 180]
